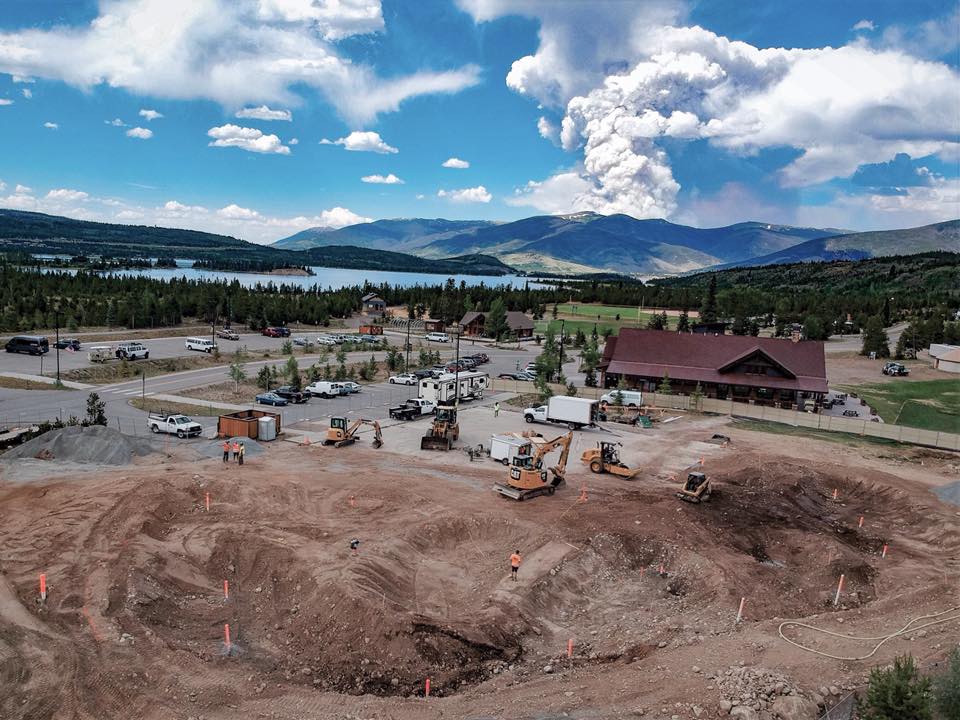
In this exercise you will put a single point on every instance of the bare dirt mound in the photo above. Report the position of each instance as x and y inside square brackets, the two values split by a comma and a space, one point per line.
[96, 445]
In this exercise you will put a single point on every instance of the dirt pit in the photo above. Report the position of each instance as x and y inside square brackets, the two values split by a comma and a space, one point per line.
[633, 579]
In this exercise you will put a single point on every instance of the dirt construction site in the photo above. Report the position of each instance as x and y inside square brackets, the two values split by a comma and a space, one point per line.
[625, 604]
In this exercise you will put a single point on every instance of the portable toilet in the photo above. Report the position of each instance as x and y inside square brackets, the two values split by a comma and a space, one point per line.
[266, 429]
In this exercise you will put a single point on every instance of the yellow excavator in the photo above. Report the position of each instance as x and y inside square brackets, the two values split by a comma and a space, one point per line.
[605, 458]
[527, 476]
[341, 434]
[444, 431]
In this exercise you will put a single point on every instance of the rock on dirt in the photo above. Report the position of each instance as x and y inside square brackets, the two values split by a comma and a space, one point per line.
[96, 445]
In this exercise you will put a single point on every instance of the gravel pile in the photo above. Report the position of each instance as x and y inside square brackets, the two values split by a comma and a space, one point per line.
[96, 445]
[214, 448]
[748, 691]
[949, 493]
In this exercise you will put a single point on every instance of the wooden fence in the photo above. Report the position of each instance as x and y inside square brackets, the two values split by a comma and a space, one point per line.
[816, 421]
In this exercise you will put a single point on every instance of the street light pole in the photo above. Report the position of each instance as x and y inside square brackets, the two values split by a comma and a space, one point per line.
[56, 315]
[560, 369]
[406, 365]
[456, 372]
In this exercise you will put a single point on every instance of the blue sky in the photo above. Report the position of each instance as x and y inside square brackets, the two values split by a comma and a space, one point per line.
[159, 111]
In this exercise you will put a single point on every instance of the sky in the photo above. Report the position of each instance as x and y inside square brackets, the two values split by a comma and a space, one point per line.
[260, 118]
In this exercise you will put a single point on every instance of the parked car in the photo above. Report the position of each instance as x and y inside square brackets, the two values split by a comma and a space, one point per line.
[291, 394]
[527, 376]
[522, 376]
[437, 337]
[421, 374]
[284, 331]
[270, 332]
[895, 368]
[339, 338]
[67, 344]
[302, 341]
[480, 358]
[32, 344]
[271, 398]
[403, 379]
[227, 334]
[326, 389]
[132, 351]
[372, 339]
[351, 387]
[851, 413]
[325, 340]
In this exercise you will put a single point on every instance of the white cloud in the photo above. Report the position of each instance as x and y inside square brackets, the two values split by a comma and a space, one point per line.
[339, 217]
[116, 122]
[456, 162]
[235, 212]
[864, 25]
[172, 208]
[3, 186]
[27, 93]
[246, 139]
[23, 190]
[21, 79]
[129, 215]
[420, 196]
[65, 195]
[556, 195]
[5, 101]
[390, 179]
[150, 115]
[293, 141]
[51, 126]
[476, 194]
[140, 133]
[233, 53]
[359, 141]
[264, 113]
[548, 131]
[932, 38]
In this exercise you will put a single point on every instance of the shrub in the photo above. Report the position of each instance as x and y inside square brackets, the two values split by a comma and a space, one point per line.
[897, 693]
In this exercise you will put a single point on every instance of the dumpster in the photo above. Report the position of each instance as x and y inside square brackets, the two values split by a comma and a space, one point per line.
[245, 423]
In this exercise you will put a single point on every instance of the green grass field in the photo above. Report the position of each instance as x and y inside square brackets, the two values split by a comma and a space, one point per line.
[571, 314]
[834, 437]
[926, 404]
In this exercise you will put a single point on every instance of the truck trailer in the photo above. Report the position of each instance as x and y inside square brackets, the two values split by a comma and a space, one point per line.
[443, 390]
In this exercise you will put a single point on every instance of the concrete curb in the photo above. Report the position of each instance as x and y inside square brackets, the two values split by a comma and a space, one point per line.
[47, 380]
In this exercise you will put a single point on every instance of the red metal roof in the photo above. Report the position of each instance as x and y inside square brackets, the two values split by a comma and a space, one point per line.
[703, 358]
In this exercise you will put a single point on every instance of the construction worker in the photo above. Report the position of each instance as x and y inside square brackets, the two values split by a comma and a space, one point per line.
[496, 409]
[236, 449]
[226, 450]
[514, 565]
[243, 450]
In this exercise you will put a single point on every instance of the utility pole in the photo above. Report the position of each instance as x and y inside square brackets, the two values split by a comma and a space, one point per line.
[406, 366]
[56, 316]
[456, 372]
[213, 330]
[560, 368]
[143, 389]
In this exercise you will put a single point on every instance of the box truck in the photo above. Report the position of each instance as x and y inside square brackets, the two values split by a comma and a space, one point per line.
[573, 412]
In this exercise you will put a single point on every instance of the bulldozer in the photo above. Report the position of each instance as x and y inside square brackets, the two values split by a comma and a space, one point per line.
[443, 432]
[341, 434]
[605, 458]
[527, 476]
[696, 489]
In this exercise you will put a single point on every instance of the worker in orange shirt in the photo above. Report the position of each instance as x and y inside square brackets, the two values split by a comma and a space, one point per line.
[226, 450]
[236, 449]
[514, 565]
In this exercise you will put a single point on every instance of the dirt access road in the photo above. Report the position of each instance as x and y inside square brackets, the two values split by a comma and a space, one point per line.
[134, 622]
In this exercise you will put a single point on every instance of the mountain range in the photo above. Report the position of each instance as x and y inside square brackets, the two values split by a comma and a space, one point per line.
[588, 242]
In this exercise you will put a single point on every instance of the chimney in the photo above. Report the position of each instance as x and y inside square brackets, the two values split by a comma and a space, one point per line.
[795, 335]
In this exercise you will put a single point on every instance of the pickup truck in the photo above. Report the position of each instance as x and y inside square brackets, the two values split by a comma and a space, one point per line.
[179, 425]
[227, 334]
[412, 408]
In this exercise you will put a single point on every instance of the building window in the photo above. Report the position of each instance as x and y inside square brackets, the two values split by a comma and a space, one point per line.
[741, 391]
[764, 394]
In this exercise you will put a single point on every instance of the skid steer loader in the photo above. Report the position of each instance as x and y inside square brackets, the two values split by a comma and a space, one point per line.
[696, 489]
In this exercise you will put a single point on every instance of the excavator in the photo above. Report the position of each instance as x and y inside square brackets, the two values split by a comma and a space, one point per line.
[340, 434]
[696, 489]
[605, 458]
[444, 430]
[527, 476]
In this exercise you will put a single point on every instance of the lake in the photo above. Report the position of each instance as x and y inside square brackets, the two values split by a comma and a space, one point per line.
[324, 277]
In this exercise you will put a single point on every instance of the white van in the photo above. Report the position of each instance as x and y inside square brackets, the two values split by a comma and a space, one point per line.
[326, 389]
[631, 398]
[202, 344]
[436, 337]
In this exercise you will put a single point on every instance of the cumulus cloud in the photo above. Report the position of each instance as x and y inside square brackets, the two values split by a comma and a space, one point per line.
[547, 130]
[476, 194]
[172, 208]
[51, 125]
[5, 101]
[21, 79]
[390, 179]
[140, 133]
[456, 162]
[559, 194]
[66, 195]
[264, 113]
[27, 93]
[293, 141]
[245, 138]
[150, 115]
[116, 122]
[864, 25]
[22, 189]
[235, 212]
[359, 141]
[233, 53]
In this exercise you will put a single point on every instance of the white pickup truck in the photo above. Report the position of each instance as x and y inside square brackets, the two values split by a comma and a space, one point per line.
[179, 425]
[412, 408]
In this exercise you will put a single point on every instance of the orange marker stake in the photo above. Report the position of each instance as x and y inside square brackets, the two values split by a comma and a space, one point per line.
[352, 503]
[570, 648]
[426, 688]
[836, 599]
[701, 461]
[226, 635]
[662, 573]
[860, 522]
[43, 587]
[884, 553]
[226, 589]
[740, 611]
[835, 493]
[206, 501]
[641, 571]
[583, 494]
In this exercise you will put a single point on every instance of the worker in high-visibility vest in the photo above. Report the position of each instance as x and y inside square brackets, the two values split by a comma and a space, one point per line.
[226, 451]
[236, 449]
[514, 565]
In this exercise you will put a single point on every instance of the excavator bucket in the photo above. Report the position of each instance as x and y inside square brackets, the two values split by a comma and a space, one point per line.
[435, 442]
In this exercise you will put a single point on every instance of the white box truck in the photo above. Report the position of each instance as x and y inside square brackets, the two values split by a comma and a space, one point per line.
[443, 390]
[573, 412]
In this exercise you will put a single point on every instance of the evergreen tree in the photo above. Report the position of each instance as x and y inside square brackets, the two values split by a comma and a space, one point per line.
[897, 693]
[683, 322]
[96, 410]
[495, 325]
[875, 338]
[740, 325]
[946, 689]
[237, 374]
[264, 378]
[656, 322]
[664, 387]
[886, 310]
[814, 329]
[571, 390]
[292, 372]
[708, 311]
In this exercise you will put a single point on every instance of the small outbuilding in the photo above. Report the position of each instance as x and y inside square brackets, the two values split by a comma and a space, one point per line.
[373, 305]
[520, 326]
[948, 361]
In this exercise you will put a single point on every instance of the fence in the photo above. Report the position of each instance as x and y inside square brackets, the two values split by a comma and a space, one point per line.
[814, 421]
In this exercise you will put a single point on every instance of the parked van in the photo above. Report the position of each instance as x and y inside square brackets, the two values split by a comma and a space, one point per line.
[437, 337]
[631, 398]
[202, 344]
[132, 351]
[326, 389]
[31, 344]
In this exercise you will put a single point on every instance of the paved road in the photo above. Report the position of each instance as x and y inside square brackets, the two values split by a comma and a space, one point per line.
[854, 343]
